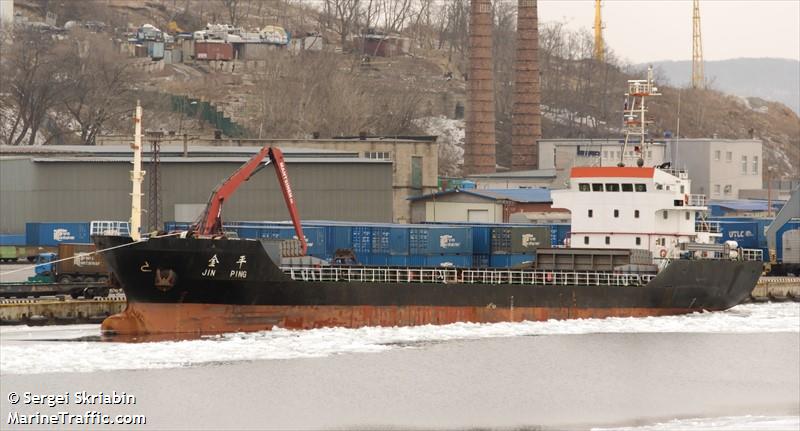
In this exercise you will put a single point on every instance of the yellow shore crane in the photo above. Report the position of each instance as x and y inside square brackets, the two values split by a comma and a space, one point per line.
[698, 80]
[599, 46]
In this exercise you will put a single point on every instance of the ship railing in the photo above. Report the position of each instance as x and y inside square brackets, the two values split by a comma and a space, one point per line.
[751, 254]
[464, 276]
[706, 226]
[108, 227]
[697, 200]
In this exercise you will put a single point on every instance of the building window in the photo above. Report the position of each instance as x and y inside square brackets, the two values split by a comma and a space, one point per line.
[584, 187]
[727, 190]
[616, 213]
[716, 189]
[717, 155]
[683, 188]
[627, 187]
[586, 240]
[605, 154]
[728, 156]
[640, 187]
[591, 213]
[638, 241]
[377, 155]
[608, 240]
[596, 187]
[666, 214]
[755, 165]
[635, 213]
[744, 164]
[687, 215]
[612, 187]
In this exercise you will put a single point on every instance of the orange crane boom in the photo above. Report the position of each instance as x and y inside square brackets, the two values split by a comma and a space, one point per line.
[210, 221]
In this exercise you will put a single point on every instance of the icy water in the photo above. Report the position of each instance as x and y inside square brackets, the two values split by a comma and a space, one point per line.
[738, 369]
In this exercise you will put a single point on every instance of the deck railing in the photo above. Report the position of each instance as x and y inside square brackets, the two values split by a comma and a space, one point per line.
[464, 276]
[751, 254]
[707, 226]
[107, 227]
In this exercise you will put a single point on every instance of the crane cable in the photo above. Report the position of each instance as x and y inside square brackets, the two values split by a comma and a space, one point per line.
[24, 268]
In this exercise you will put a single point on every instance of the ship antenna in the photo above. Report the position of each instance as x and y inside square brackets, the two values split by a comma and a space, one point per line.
[634, 113]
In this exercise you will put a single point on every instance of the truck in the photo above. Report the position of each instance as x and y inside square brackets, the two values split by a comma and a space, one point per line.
[74, 269]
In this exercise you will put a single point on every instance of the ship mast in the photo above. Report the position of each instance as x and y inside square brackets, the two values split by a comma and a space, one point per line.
[634, 114]
[137, 175]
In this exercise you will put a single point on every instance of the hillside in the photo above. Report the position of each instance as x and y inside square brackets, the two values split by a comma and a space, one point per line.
[775, 79]
[336, 92]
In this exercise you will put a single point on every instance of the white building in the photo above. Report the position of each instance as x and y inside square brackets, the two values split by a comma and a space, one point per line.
[632, 208]
[720, 168]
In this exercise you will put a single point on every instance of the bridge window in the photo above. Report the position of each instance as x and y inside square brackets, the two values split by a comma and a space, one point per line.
[591, 213]
[597, 187]
[612, 187]
[666, 214]
[616, 213]
[608, 240]
[635, 213]
[584, 187]
[638, 240]
[687, 215]
[640, 187]
[627, 187]
[586, 240]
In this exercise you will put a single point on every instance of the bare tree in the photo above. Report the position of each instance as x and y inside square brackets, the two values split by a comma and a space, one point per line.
[232, 6]
[31, 74]
[98, 85]
[344, 16]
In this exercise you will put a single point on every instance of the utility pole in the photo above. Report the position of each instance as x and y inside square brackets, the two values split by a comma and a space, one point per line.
[599, 45]
[137, 175]
[154, 207]
[698, 80]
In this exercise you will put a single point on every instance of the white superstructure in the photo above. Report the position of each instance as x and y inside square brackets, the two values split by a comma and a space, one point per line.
[634, 208]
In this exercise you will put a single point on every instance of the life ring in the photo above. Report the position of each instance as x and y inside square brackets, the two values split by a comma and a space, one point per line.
[663, 253]
[686, 199]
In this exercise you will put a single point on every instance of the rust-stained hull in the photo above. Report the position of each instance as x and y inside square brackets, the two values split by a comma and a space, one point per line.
[150, 318]
[197, 286]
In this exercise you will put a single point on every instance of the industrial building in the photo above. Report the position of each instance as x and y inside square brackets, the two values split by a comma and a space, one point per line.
[720, 168]
[81, 183]
[488, 206]
[563, 154]
[415, 159]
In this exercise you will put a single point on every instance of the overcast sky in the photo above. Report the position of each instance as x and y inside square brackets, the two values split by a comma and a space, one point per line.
[651, 30]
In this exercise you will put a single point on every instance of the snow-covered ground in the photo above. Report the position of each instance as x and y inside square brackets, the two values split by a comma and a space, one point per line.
[726, 423]
[29, 350]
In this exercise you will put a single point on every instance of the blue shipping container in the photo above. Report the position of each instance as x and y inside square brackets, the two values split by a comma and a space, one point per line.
[362, 239]
[746, 234]
[482, 239]
[509, 260]
[440, 240]
[399, 240]
[53, 233]
[12, 239]
[449, 260]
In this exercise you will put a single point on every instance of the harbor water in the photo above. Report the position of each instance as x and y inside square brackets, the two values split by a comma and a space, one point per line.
[736, 369]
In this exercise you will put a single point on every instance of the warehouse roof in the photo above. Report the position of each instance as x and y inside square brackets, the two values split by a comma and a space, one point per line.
[166, 151]
[535, 173]
[516, 195]
[746, 204]
[205, 160]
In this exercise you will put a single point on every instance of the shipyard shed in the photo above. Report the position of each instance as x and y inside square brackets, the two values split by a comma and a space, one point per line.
[40, 184]
[487, 206]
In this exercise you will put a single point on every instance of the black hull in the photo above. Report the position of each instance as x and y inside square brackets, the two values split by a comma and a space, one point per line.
[173, 270]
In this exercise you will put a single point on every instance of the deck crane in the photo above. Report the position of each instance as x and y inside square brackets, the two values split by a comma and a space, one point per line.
[209, 223]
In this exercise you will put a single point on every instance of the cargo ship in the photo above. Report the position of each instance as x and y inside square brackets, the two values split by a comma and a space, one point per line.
[639, 246]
